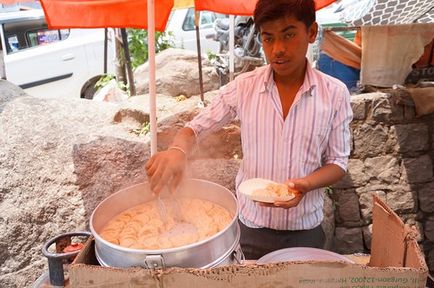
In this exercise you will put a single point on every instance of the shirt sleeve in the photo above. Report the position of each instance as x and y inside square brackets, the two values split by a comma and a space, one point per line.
[220, 112]
[338, 148]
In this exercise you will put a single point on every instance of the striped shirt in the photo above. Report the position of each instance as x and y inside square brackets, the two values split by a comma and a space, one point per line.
[314, 133]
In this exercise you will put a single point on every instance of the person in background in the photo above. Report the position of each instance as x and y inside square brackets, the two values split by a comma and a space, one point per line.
[294, 130]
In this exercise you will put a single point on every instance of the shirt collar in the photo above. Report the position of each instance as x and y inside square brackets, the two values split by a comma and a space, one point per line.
[309, 83]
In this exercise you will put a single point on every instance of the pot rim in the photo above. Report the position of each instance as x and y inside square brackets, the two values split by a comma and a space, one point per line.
[168, 250]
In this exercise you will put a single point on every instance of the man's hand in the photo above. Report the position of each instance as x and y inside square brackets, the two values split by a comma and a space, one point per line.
[166, 168]
[301, 185]
[325, 176]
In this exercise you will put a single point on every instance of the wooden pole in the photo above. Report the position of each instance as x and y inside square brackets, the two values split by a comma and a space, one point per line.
[199, 55]
[128, 62]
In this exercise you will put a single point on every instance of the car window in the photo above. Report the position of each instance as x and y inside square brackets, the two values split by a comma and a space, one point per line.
[207, 19]
[188, 24]
[26, 34]
[43, 37]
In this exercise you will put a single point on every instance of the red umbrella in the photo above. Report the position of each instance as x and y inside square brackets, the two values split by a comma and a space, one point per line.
[133, 13]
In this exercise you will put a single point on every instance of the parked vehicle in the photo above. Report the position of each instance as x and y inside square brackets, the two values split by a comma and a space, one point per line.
[181, 25]
[247, 47]
[51, 63]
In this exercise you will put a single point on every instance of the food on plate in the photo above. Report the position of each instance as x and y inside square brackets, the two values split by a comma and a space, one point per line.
[264, 190]
[276, 190]
[141, 227]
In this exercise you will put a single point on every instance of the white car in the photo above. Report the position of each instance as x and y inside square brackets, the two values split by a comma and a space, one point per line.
[181, 24]
[51, 63]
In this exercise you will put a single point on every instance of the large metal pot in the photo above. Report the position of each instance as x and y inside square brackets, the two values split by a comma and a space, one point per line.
[222, 248]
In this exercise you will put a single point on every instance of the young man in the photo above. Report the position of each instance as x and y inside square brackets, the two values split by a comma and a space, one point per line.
[294, 129]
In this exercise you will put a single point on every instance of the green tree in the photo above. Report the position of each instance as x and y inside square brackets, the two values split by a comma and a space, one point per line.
[138, 44]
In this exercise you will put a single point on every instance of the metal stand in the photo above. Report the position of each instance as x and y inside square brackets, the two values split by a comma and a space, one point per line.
[56, 260]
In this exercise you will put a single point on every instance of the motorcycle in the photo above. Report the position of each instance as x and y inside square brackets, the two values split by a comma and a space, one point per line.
[247, 47]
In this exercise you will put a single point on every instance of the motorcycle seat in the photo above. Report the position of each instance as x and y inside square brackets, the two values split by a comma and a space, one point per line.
[222, 23]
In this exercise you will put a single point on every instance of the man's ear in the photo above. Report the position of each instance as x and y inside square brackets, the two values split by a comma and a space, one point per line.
[313, 31]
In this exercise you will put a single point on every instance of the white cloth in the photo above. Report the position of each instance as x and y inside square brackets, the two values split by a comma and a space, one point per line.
[388, 52]
[315, 132]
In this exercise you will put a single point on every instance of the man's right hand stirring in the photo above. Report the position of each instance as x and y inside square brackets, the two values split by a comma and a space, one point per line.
[166, 168]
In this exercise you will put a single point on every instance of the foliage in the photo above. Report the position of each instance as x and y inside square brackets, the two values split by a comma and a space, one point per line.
[329, 192]
[143, 129]
[105, 79]
[138, 44]
[211, 55]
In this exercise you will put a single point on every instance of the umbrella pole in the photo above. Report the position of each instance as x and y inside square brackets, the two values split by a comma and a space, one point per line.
[199, 55]
[105, 49]
[231, 47]
[152, 89]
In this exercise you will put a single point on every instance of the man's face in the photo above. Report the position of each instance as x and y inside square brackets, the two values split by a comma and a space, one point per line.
[285, 43]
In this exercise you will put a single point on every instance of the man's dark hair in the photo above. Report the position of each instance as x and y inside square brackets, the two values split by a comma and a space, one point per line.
[270, 10]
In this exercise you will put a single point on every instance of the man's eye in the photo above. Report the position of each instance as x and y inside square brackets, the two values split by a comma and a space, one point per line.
[267, 39]
[289, 35]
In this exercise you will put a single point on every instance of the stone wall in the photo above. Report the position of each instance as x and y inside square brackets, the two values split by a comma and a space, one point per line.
[392, 157]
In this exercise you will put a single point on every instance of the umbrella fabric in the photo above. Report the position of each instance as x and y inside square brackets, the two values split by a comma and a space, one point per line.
[133, 13]
[386, 12]
[183, 4]
[104, 13]
[240, 7]
[319, 4]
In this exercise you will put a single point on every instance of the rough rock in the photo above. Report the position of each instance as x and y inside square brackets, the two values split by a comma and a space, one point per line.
[111, 93]
[221, 171]
[383, 169]
[58, 159]
[356, 175]
[384, 110]
[429, 229]
[348, 208]
[328, 224]
[366, 203]
[401, 199]
[370, 141]
[412, 137]
[177, 74]
[367, 236]
[359, 105]
[425, 197]
[349, 240]
[417, 170]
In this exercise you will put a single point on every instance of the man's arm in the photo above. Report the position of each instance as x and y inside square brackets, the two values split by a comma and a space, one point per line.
[325, 176]
[167, 167]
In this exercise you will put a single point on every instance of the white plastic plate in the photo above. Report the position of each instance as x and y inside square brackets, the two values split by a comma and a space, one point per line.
[252, 188]
[302, 254]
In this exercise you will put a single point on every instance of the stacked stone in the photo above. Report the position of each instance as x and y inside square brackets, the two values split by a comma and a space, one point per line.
[392, 157]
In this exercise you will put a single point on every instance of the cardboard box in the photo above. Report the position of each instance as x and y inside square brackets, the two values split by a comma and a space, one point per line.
[396, 262]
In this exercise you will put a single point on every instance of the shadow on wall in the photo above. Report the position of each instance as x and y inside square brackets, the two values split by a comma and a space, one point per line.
[107, 165]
